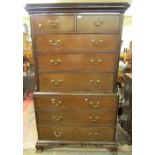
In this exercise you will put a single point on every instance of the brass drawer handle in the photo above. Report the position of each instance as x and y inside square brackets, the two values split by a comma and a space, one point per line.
[54, 42]
[96, 62]
[98, 22]
[93, 104]
[55, 62]
[57, 118]
[94, 119]
[56, 103]
[96, 83]
[53, 22]
[58, 134]
[56, 82]
[93, 134]
[97, 42]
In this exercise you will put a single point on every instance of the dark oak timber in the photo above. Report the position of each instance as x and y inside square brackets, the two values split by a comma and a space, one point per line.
[76, 53]
[76, 7]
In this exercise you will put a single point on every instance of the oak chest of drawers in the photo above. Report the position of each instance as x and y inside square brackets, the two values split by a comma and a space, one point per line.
[76, 52]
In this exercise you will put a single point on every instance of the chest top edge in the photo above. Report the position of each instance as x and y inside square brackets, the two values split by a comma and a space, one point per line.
[76, 7]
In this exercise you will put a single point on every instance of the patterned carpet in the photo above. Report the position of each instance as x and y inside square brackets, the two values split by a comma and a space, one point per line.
[30, 138]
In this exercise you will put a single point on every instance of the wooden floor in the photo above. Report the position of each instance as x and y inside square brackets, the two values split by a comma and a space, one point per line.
[30, 138]
[75, 152]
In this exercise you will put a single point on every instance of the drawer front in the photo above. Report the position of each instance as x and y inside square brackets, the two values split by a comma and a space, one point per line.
[76, 82]
[80, 42]
[52, 23]
[75, 62]
[77, 134]
[76, 118]
[76, 102]
[98, 23]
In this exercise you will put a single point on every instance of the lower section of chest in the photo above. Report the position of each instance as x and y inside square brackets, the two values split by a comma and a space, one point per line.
[76, 117]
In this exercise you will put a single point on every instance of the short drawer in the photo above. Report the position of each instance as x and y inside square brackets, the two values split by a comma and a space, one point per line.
[52, 23]
[98, 23]
[76, 42]
[76, 102]
[77, 62]
[76, 118]
[82, 134]
[97, 82]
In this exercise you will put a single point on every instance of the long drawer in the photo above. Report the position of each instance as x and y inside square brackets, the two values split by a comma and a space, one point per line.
[52, 23]
[87, 134]
[76, 102]
[76, 82]
[80, 42]
[98, 23]
[77, 62]
[76, 118]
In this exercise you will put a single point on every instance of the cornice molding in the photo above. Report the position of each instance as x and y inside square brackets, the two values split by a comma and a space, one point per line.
[76, 7]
